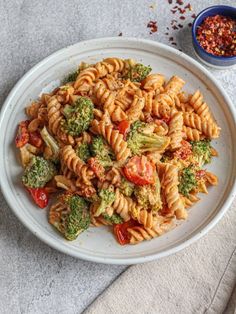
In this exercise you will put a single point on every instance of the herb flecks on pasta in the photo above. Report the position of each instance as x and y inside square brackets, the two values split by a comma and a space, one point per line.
[122, 147]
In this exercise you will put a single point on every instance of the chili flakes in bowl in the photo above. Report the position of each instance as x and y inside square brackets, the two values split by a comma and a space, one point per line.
[217, 35]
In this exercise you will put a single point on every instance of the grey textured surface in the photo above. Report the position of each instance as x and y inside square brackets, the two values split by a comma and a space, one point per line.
[33, 277]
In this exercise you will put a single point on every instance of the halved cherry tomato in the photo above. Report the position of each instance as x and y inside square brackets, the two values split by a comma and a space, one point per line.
[200, 174]
[124, 127]
[97, 168]
[40, 196]
[35, 139]
[184, 151]
[139, 170]
[22, 136]
[120, 230]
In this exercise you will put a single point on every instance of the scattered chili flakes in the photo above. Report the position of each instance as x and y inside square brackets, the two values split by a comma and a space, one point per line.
[171, 38]
[188, 6]
[174, 44]
[182, 11]
[180, 25]
[120, 34]
[173, 11]
[153, 26]
[180, 2]
[193, 16]
[217, 35]
[175, 27]
[170, 1]
[182, 17]
[190, 24]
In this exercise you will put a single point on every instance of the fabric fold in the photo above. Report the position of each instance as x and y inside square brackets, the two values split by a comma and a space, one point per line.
[199, 279]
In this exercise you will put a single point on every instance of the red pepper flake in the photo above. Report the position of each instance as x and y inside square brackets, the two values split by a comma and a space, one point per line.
[153, 26]
[180, 2]
[175, 27]
[120, 34]
[217, 35]
[171, 38]
[166, 33]
[193, 16]
[176, 7]
[182, 17]
[173, 11]
[180, 25]
[174, 44]
[170, 1]
[190, 24]
[188, 6]
[182, 11]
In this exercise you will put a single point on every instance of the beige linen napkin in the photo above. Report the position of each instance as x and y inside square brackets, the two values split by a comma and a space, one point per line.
[199, 279]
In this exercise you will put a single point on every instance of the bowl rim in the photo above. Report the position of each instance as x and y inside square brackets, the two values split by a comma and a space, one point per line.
[112, 260]
[194, 37]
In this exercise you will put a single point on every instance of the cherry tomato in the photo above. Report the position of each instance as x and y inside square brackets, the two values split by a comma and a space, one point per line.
[200, 174]
[139, 170]
[40, 196]
[35, 139]
[184, 151]
[22, 136]
[120, 230]
[97, 168]
[124, 127]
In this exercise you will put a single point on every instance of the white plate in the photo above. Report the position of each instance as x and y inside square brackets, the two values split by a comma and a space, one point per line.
[98, 244]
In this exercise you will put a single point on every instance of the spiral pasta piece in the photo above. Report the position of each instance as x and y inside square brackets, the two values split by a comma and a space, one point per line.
[174, 86]
[194, 121]
[135, 110]
[143, 216]
[122, 205]
[114, 138]
[99, 221]
[153, 82]
[191, 134]
[211, 178]
[75, 164]
[170, 188]
[190, 200]
[106, 99]
[54, 115]
[175, 130]
[200, 107]
[139, 233]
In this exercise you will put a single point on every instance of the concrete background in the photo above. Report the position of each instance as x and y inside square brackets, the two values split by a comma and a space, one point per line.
[33, 277]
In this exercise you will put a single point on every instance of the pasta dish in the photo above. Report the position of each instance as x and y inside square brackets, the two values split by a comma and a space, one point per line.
[116, 145]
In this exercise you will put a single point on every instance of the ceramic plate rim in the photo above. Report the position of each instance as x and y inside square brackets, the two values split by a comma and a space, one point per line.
[132, 260]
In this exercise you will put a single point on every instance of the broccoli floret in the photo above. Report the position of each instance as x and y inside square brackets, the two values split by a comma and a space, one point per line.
[83, 151]
[71, 77]
[78, 218]
[126, 187]
[187, 180]
[78, 116]
[138, 72]
[107, 197]
[38, 172]
[149, 196]
[51, 143]
[113, 219]
[202, 151]
[139, 142]
[102, 151]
